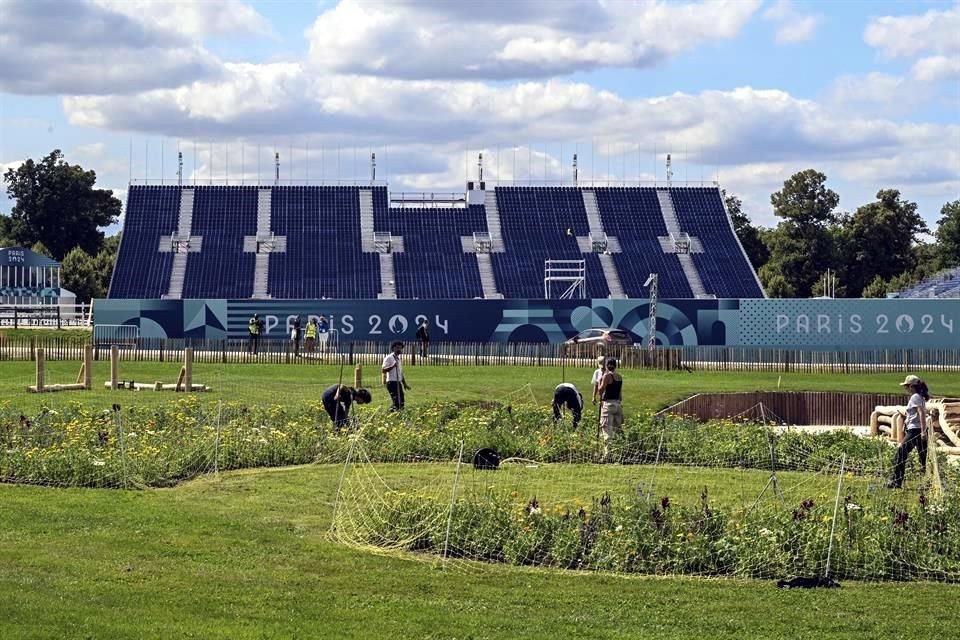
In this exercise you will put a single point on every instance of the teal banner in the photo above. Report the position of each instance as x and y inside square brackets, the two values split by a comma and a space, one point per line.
[820, 324]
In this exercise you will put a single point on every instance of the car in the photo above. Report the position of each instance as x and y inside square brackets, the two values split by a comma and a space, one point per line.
[603, 337]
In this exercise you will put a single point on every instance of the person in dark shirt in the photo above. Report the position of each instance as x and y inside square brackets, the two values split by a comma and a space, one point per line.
[296, 334]
[423, 337]
[566, 394]
[611, 410]
[337, 399]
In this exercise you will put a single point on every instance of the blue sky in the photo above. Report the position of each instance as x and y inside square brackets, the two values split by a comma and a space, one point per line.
[747, 91]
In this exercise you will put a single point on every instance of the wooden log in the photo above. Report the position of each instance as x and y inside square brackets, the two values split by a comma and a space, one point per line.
[358, 377]
[874, 424]
[952, 451]
[180, 378]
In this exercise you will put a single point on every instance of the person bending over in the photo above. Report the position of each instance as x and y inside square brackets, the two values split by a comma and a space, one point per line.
[566, 394]
[337, 399]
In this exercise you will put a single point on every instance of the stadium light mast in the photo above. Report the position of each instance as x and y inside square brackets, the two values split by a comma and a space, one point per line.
[574, 169]
[669, 170]
[652, 317]
[276, 167]
[179, 168]
[480, 166]
[373, 168]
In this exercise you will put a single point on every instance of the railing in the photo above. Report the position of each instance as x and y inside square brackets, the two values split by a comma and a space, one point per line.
[281, 351]
[786, 407]
[45, 315]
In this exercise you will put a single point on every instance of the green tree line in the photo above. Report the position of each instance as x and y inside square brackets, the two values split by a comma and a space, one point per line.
[59, 213]
[879, 248]
[876, 249]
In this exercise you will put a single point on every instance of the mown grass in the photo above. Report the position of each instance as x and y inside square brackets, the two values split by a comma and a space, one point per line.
[286, 384]
[245, 555]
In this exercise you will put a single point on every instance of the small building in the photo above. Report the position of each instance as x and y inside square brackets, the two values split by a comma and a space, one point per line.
[28, 278]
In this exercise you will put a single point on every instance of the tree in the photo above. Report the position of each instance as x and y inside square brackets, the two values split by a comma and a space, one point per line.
[802, 247]
[103, 264]
[879, 240]
[775, 285]
[56, 204]
[41, 249]
[749, 235]
[948, 235]
[78, 275]
[876, 289]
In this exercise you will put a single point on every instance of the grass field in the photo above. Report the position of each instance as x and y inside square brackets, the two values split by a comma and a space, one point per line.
[286, 384]
[246, 555]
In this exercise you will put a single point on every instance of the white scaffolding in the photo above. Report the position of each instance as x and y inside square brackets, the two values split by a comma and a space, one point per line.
[570, 273]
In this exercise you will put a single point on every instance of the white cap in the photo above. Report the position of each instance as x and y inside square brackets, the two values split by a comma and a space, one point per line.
[909, 380]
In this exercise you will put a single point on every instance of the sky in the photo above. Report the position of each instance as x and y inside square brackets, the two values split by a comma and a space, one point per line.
[745, 92]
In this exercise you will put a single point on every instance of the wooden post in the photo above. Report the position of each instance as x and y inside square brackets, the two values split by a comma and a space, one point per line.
[114, 367]
[88, 367]
[358, 377]
[40, 371]
[188, 368]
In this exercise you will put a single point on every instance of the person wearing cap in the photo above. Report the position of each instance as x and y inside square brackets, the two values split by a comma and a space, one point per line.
[392, 371]
[611, 409]
[915, 427]
[595, 381]
[567, 394]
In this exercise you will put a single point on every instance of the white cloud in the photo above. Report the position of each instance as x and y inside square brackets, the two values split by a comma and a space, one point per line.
[793, 26]
[909, 36]
[196, 19]
[936, 69]
[534, 39]
[82, 48]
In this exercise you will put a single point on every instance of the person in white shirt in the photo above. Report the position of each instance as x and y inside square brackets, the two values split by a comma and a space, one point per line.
[916, 429]
[597, 375]
[392, 371]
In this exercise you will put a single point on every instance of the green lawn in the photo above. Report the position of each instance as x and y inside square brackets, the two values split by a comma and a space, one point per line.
[284, 384]
[246, 554]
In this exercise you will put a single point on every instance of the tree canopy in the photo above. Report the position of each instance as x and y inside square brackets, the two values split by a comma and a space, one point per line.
[57, 204]
[948, 235]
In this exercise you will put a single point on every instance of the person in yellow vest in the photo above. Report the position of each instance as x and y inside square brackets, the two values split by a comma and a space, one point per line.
[310, 337]
[254, 328]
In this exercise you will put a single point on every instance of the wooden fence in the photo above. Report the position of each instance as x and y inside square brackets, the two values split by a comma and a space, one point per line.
[496, 354]
[787, 407]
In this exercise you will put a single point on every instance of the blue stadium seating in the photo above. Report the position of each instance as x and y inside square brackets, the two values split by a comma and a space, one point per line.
[943, 285]
[141, 270]
[222, 216]
[539, 224]
[723, 267]
[633, 216]
[433, 264]
[324, 255]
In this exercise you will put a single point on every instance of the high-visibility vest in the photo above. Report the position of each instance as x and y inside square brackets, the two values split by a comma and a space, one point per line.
[253, 327]
[311, 330]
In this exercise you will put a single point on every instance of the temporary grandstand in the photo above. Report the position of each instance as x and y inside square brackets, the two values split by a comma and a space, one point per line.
[945, 284]
[362, 242]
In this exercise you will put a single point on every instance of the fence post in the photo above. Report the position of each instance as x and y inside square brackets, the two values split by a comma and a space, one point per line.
[114, 366]
[188, 369]
[351, 353]
[40, 377]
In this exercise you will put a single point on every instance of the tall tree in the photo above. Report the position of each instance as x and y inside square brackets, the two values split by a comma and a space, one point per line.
[801, 247]
[78, 275]
[748, 234]
[57, 204]
[879, 240]
[103, 264]
[948, 235]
